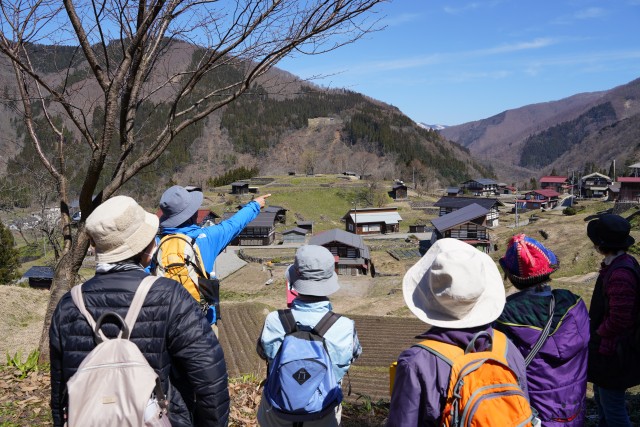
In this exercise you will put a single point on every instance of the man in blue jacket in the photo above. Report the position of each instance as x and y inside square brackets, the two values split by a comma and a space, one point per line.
[180, 206]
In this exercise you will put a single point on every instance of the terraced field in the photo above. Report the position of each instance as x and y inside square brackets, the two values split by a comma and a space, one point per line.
[382, 340]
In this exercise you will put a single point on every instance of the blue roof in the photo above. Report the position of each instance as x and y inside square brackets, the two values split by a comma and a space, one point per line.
[459, 216]
[39, 272]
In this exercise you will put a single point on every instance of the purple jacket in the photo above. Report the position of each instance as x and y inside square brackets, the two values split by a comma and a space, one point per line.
[557, 375]
[422, 379]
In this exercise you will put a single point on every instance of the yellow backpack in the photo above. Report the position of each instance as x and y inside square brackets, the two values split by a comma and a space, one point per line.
[178, 258]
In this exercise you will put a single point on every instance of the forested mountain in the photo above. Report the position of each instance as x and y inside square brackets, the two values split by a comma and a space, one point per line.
[583, 132]
[281, 124]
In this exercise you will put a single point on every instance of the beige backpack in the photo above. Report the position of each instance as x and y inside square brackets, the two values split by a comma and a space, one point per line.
[115, 385]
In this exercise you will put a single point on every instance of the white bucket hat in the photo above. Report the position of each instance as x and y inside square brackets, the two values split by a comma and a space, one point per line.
[120, 229]
[454, 285]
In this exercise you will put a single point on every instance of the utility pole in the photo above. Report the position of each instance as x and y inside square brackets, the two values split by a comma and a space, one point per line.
[355, 216]
[516, 207]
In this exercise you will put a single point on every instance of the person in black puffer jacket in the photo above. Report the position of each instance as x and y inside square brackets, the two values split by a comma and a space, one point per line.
[171, 330]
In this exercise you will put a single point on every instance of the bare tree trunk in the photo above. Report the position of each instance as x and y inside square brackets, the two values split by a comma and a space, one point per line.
[64, 278]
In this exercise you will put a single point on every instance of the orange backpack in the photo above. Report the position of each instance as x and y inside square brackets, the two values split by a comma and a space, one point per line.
[483, 389]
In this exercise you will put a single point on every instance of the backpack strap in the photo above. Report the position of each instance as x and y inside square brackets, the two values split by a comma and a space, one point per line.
[78, 300]
[327, 321]
[138, 300]
[543, 335]
[288, 321]
[191, 241]
[446, 352]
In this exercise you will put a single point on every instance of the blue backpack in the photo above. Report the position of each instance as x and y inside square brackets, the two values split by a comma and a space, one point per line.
[301, 385]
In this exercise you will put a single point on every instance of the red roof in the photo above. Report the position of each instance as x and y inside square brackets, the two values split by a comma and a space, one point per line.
[629, 179]
[547, 192]
[556, 179]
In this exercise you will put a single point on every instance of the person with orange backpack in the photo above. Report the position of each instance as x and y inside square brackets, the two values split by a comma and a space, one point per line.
[463, 371]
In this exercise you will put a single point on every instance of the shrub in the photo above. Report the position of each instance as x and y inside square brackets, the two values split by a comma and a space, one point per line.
[569, 211]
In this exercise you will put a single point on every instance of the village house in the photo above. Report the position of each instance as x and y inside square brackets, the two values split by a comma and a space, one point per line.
[259, 232]
[281, 213]
[539, 199]
[352, 255]
[373, 220]
[466, 224]
[294, 235]
[557, 183]
[306, 225]
[595, 185]
[398, 191]
[481, 186]
[451, 204]
[39, 276]
[629, 189]
[453, 191]
[419, 227]
[239, 187]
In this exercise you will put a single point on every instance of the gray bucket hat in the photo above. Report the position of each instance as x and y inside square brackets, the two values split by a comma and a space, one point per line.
[178, 204]
[313, 272]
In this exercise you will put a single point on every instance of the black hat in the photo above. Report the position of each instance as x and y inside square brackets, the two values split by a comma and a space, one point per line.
[610, 231]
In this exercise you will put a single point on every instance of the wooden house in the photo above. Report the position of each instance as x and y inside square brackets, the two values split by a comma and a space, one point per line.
[373, 220]
[451, 204]
[466, 224]
[239, 187]
[294, 235]
[259, 232]
[539, 199]
[352, 255]
[39, 276]
[306, 225]
[281, 213]
[481, 186]
[629, 189]
[419, 228]
[558, 183]
[398, 191]
[595, 185]
[453, 191]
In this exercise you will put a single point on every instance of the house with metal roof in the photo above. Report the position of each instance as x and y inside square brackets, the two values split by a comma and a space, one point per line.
[259, 232]
[281, 213]
[595, 185]
[373, 220]
[481, 186]
[466, 224]
[239, 187]
[629, 189]
[539, 199]
[453, 191]
[557, 183]
[451, 204]
[294, 235]
[351, 254]
[39, 276]
[307, 225]
[398, 191]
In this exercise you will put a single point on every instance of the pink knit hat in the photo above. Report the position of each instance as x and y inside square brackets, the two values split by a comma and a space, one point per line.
[527, 261]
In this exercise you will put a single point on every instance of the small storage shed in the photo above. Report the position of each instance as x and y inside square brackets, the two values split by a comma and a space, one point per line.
[39, 276]
[294, 235]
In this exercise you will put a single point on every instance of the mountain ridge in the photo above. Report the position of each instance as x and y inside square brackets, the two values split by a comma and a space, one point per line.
[500, 140]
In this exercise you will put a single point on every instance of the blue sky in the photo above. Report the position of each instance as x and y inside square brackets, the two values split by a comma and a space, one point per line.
[451, 62]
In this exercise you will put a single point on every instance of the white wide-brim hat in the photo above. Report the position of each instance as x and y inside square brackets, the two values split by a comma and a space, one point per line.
[454, 285]
[120, 229]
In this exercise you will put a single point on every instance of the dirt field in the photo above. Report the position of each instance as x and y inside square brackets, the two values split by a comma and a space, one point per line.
[21, 318]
